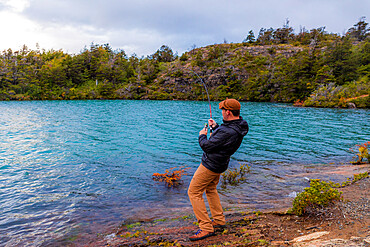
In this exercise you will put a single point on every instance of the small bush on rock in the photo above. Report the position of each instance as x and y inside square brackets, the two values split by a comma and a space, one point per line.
[320, 194]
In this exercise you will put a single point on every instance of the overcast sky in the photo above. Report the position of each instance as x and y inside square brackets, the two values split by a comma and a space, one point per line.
[143, 26]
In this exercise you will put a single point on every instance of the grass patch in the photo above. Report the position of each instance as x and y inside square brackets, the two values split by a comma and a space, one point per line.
[130, 226]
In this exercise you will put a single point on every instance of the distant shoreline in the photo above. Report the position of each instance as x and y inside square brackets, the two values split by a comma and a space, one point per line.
[296, 104]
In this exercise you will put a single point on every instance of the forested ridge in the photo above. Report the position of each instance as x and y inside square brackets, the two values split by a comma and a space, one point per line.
[309, 68]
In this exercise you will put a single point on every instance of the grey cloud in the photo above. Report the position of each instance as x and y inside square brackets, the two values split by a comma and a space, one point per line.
[182, 23]
[159, 15]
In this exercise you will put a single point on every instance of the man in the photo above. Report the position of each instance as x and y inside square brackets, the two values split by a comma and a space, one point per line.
[224, 142]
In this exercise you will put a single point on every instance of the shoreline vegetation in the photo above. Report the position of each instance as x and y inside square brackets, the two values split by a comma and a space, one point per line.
[311, 68]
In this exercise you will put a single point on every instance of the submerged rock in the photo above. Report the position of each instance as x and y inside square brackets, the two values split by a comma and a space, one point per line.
[351, 105]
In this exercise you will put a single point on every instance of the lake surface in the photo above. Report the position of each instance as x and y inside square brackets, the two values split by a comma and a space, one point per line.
[77, 168]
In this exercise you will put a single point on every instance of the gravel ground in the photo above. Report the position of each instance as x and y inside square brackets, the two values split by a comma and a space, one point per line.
[357, 200]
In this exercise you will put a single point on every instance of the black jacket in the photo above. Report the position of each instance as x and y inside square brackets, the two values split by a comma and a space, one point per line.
[223, 143]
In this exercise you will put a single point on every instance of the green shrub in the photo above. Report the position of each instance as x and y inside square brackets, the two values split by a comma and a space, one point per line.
[320, 194]
[234, 176]
[184, 57]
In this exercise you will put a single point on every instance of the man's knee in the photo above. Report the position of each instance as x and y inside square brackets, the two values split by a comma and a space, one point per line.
[190, 193]
[193, 192]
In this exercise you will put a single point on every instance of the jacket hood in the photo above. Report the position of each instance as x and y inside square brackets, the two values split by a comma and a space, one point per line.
[239, 125]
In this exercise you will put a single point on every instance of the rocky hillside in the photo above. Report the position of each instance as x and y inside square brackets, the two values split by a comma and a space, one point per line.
[221, 67]
[273, 73]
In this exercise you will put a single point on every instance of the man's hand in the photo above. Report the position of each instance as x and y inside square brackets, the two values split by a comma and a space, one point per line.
[203, 131]
[212, 123]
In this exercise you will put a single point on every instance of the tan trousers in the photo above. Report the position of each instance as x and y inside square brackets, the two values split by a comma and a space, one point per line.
[206, 180]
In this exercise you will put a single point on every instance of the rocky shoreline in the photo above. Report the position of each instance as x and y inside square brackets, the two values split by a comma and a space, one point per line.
[345, 223]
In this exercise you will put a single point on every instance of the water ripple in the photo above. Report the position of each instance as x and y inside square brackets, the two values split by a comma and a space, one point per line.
[67, 164]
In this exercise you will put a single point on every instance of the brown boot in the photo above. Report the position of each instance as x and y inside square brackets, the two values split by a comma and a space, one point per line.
[218, 226]
[201, 235]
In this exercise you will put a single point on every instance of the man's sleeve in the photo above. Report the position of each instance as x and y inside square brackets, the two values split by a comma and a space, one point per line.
[214, 143]
[215, 127]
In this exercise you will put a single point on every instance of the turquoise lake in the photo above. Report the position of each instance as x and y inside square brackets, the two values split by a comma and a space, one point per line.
[79, 168]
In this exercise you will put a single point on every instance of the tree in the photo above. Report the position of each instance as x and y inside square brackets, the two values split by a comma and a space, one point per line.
[360, 30]
[250, 38]
[339, 56]
[54, 72]
[164, 54]
[265, 37]
[317, 35]
[324, 76]
[77, 71]
[284, 34]
[303, 37]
